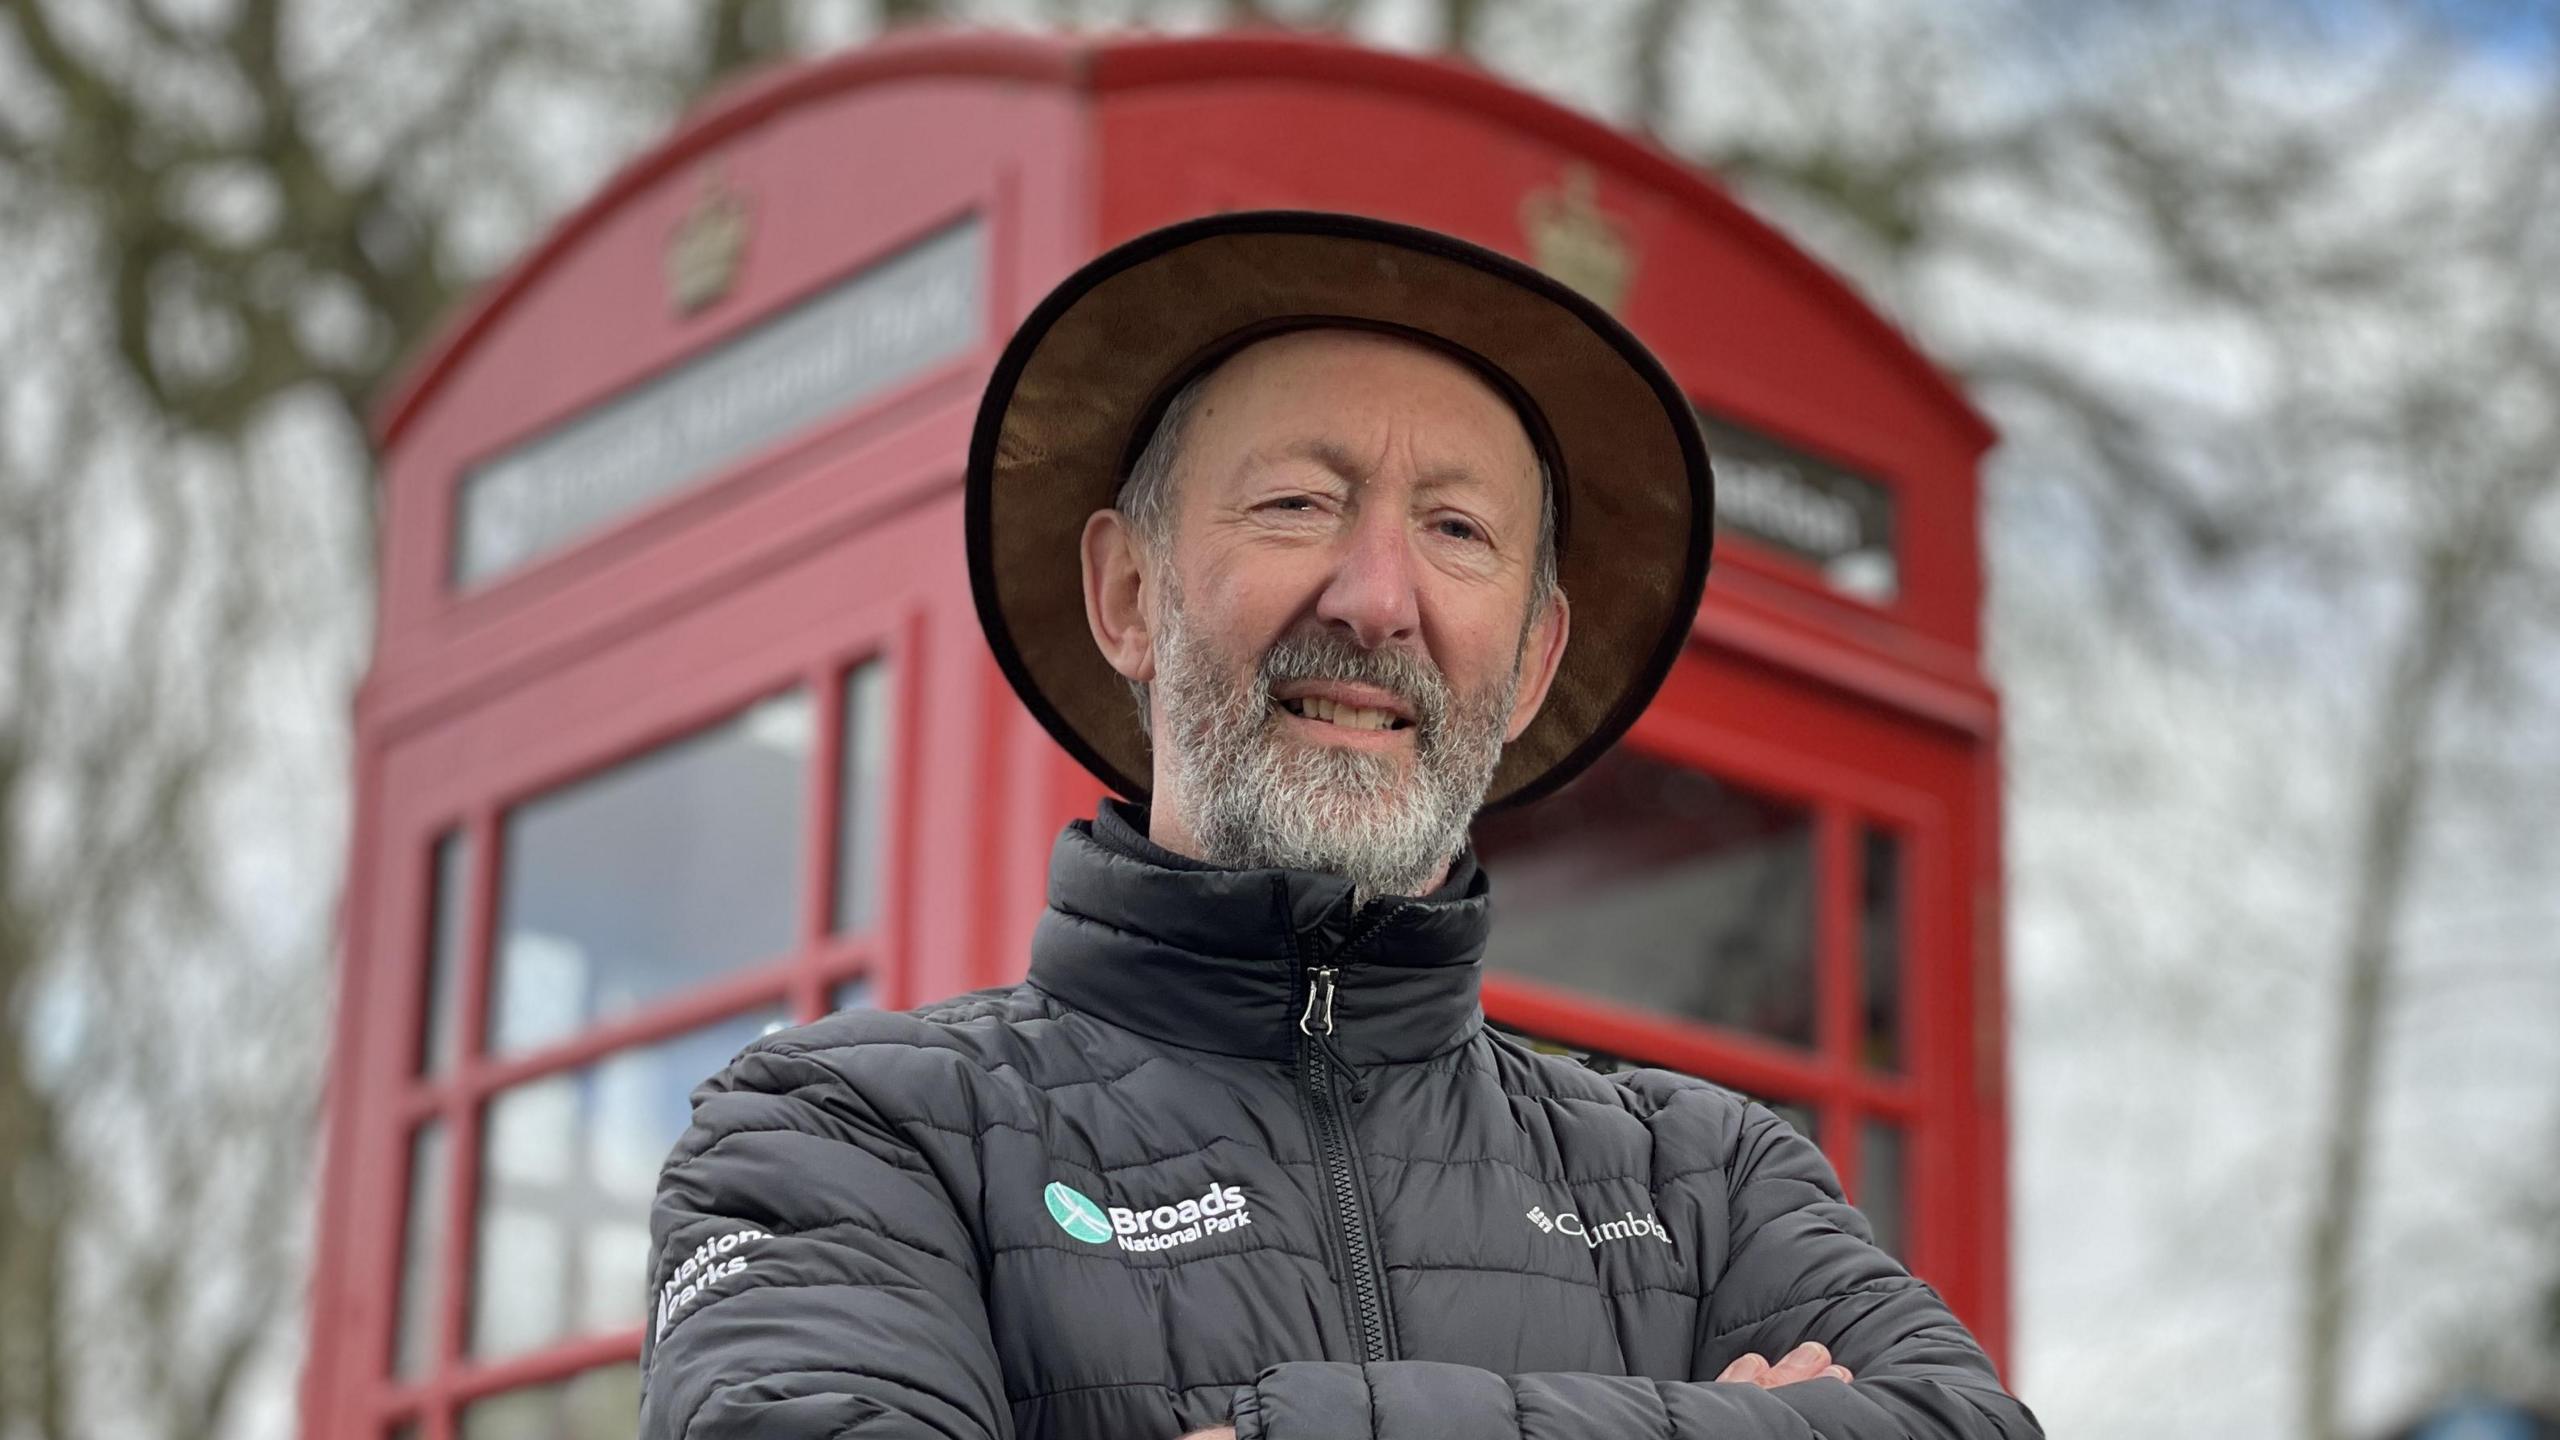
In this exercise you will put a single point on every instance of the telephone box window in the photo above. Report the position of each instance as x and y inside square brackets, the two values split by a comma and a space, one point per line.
[1880, 944]
[659, 874]
[567, 1165]
[448, 880]
[1806, 1120]
[600, 1404]
[858, 807]
[858, 993]
[413, 1343]
[1705, 890]
[1882, 1187]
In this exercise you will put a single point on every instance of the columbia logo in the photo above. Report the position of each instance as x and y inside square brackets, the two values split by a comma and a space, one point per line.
[1630, 1227]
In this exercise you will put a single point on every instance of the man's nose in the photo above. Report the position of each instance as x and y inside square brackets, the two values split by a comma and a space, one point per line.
[1372, 589]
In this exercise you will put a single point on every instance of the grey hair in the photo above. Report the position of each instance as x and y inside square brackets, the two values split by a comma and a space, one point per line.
[1146, 500]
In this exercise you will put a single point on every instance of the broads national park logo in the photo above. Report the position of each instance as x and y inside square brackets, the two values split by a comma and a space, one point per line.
[1213, 1211]
[713, 1261]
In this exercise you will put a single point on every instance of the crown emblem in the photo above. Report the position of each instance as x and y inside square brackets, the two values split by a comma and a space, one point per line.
[1571, 238]
[703, 254]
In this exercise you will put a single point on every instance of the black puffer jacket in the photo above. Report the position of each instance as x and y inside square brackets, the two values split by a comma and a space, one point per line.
[1133, 1197]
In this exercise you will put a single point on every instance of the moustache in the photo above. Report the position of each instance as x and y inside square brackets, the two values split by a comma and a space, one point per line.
[1328, 654]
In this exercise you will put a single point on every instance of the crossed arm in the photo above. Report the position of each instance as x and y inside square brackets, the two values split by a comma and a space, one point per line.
[1799, 1270]
[859, 1254]
[1808, 1361]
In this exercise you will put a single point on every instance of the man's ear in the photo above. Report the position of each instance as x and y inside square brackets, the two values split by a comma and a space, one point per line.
[1538, 662]
[1115, 596]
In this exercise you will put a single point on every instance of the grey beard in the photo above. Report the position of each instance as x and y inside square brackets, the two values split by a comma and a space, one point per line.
[1258, 799]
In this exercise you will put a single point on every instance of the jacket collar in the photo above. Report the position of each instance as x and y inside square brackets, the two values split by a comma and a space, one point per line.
[1217, 959]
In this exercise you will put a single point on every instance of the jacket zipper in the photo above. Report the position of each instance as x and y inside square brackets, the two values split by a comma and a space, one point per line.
[1315, 1028]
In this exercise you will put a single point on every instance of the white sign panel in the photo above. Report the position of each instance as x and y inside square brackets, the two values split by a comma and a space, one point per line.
[893, 321]
[1840, 522]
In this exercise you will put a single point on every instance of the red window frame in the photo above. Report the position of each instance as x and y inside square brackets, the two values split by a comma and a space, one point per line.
[800, 982]
[1831, 1078]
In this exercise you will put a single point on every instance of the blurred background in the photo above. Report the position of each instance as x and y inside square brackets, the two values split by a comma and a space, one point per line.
[2256, 292]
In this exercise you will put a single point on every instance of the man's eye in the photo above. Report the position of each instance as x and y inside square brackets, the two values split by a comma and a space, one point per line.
[1458, 529]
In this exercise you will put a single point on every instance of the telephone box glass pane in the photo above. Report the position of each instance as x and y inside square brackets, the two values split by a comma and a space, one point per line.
[661, 873]
[858, 993]
[866, 767]
[601, 1404]
[1883, 1191]
[413, 1342]
[449, 883]
[1806, 1120]
[567, 1166]
[1663, 889]
[1880, 926]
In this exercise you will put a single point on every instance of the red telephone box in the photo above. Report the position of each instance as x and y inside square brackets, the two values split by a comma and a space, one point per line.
[680, 726]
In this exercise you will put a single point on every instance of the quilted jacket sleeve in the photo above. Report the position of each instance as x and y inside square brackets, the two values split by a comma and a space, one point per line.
[1800, 1266]
[811, 1276]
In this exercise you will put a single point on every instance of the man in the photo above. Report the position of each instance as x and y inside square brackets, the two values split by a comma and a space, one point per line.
[1374, 527]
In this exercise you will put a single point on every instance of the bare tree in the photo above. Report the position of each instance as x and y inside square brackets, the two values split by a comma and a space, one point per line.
[226, 225]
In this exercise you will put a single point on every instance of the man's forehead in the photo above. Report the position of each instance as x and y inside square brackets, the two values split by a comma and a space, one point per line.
[1333, 454]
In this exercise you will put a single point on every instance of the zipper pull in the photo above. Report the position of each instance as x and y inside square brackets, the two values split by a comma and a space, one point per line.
[1318, 1019]
[1317, 1025]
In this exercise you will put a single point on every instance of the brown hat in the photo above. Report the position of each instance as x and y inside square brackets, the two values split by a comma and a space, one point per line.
[1078, 393]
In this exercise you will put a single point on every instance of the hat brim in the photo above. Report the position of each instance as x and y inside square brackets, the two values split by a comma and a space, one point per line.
[1088, 372]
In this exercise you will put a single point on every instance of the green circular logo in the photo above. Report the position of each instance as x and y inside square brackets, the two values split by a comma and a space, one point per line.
[1076, 1215]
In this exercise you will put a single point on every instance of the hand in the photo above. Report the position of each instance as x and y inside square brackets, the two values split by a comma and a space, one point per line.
[1223, 1432]
[1808, 1361]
